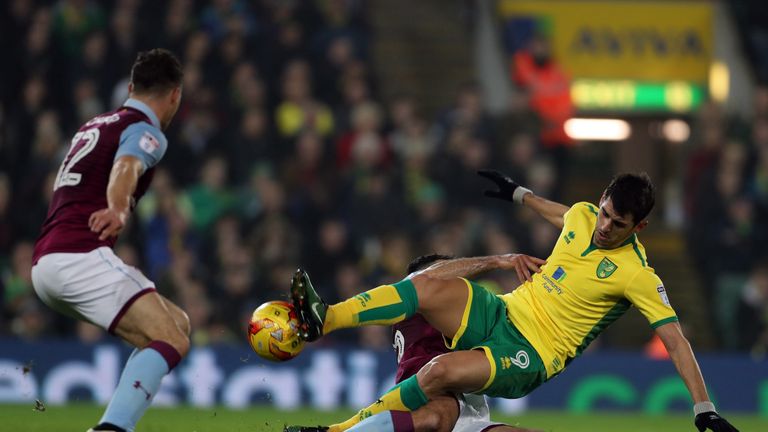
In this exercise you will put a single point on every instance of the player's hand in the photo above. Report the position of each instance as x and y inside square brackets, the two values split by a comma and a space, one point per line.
[108, 222]
[506, 185]
[524, 265]
[712, 421]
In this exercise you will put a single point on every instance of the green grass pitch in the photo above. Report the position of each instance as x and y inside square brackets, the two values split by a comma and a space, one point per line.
[23, 418]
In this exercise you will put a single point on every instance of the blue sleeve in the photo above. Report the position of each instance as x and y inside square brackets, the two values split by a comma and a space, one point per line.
[142, 141]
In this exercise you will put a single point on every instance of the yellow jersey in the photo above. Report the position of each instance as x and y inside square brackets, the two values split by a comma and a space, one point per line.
[582, 289]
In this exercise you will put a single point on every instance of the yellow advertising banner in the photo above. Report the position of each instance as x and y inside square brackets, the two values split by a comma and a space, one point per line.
[638, 40]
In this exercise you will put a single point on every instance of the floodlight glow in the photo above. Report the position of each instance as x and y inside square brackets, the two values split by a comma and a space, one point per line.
[587, 129]
[676, 130]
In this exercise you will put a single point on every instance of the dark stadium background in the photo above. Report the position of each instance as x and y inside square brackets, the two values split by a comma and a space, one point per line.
[343, 136]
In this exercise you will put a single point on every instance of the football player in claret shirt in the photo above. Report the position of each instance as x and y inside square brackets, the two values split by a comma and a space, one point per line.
[508, 345]
[108, 168]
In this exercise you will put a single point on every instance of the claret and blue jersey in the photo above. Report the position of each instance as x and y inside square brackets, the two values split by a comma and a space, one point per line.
[582, 289]
[81, 183]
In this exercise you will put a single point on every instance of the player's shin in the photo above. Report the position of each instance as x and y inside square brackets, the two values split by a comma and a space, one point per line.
[384, 305]
[139, 383]
[406, 396]
[389, 421]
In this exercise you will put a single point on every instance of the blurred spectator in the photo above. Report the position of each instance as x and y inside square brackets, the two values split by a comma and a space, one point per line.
[299, 110]
[31, 320]
[354, 93]
[178, 23]
[21, 124]
[165, 214]
[548, 89]
[752, 312]
[757, 180]
[289, 44]
[518, 156]
[363, 147]
[223, 17]
[468, 113]
[123, 37]
[87, 101]
[210, 198]
[723, 239]
[332, 246]
[17, 279]
[702, 158]
[73, 20]
[549, 96]
[94, 66]
[6, 218]
[372, 195]
[251, 145]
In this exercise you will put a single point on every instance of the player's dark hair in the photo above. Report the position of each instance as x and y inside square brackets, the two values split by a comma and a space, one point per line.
[425, 261]
[633, 194]
[156, 71]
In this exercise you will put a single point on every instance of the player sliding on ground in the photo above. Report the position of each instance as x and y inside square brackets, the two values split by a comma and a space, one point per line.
[507, 346]
[416, 343]
[108, 168]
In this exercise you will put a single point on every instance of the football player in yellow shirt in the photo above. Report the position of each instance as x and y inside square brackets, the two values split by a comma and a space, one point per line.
[506, 346]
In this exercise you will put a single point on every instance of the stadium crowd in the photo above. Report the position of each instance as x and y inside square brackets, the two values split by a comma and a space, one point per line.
[283, 154]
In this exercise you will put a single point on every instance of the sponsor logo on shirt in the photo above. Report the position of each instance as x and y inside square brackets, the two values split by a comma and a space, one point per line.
[663, 294]
[149, 143]
[559, 274]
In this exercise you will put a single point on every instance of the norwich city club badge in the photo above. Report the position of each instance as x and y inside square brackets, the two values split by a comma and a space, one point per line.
[606, 268]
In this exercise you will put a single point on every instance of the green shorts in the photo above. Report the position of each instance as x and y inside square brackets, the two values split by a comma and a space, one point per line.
[516, 368]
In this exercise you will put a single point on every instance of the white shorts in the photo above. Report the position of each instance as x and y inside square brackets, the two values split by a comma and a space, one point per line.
[474, 415]
[96, 286]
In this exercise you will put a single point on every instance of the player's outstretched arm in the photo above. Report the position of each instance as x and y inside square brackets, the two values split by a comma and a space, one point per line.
[122, 183]
[682, 356]
[470, 268]
[509, 190]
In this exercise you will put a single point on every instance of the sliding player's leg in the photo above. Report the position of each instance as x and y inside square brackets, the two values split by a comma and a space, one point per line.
[160, 332]
[491, 358]
[455, 372]
[442, 302]
[439, 414]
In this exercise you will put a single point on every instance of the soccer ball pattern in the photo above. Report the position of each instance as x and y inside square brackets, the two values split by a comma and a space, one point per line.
[273, 331]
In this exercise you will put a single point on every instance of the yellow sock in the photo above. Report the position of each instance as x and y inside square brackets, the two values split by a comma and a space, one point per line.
[384, 305]
[406, 396]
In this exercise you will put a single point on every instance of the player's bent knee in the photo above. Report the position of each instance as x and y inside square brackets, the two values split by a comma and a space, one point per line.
[182, 320]
[434, 377]
[179, 316]
[178, 340]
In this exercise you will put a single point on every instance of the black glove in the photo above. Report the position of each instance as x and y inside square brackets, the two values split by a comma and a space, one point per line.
[712, 420]
[506, 185]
